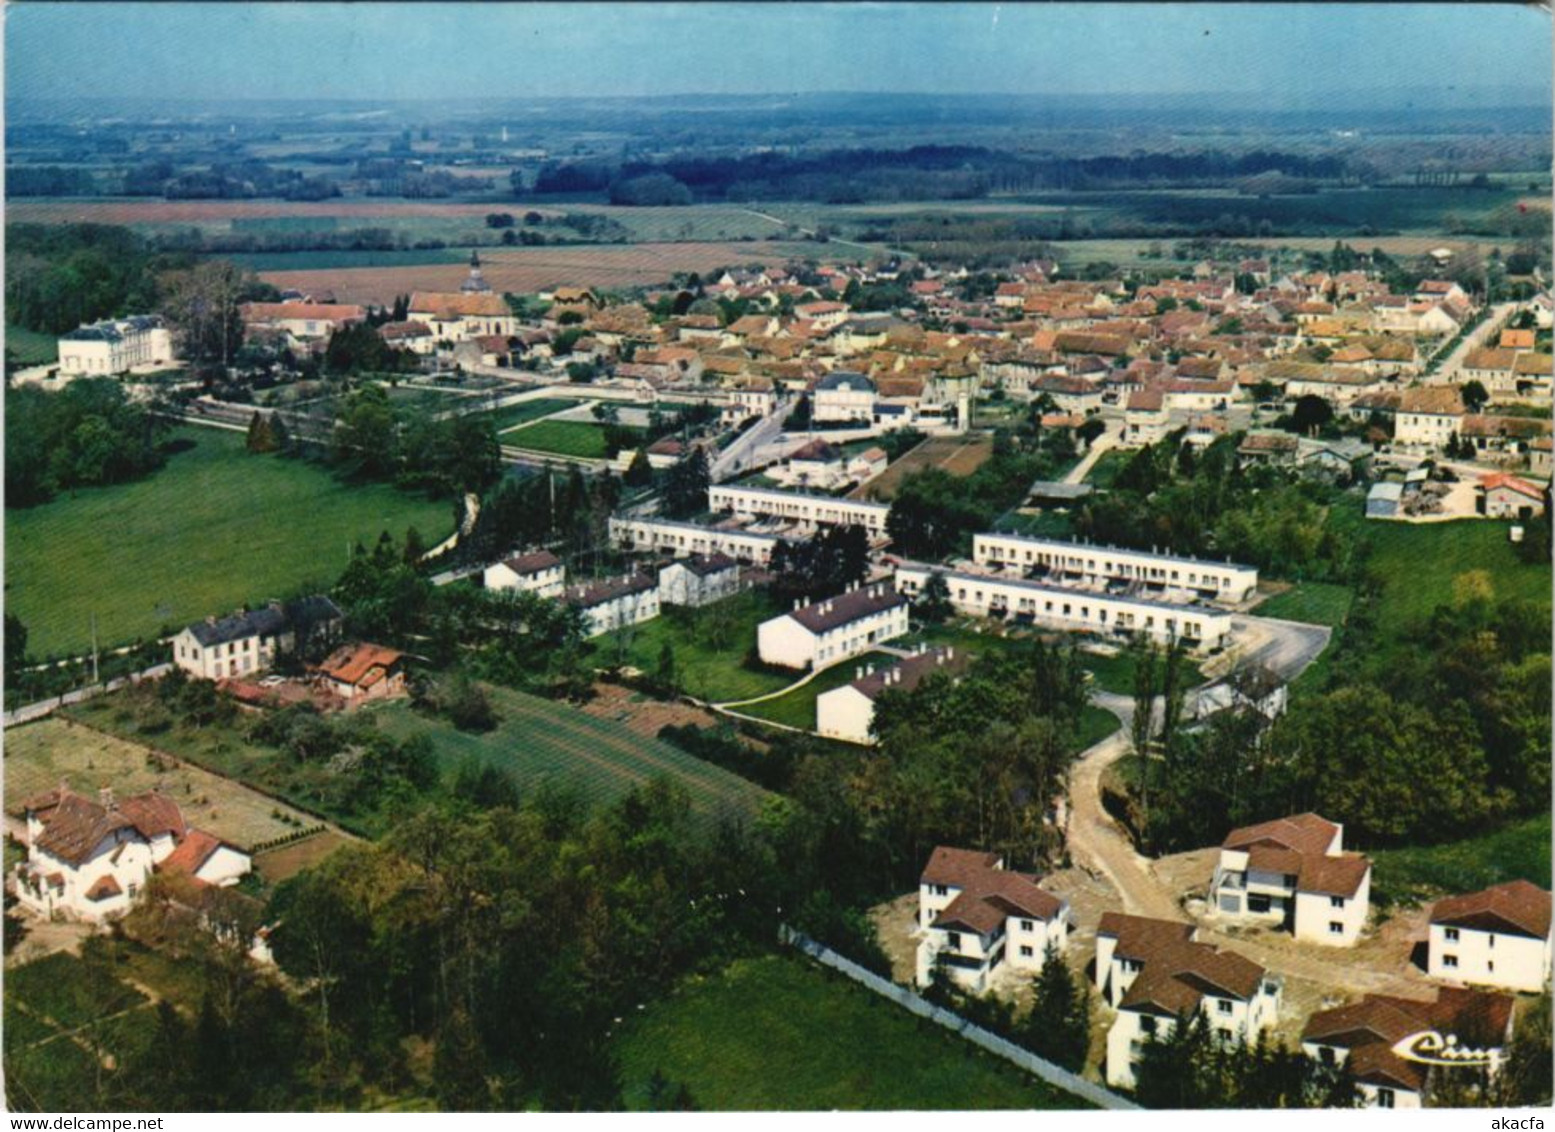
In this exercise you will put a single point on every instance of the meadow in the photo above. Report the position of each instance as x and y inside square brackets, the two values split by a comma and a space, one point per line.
[1519, 850]
[797, 708]
[213, 529]
[29, 347]
[709, 645]
[564, 438]
[777, 1033]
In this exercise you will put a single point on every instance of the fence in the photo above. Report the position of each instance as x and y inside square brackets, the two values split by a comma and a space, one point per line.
[1054, 1075]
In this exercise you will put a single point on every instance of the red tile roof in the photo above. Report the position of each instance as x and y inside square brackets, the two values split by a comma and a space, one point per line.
[192, 853]
[360, 664]
[989, 895]
[1516, 907]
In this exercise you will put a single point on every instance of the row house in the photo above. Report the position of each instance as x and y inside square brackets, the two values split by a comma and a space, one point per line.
[1154, 973]
[1092, 565]
[1498, 937]
[977, 919]
[825, 632]
[615, 603]
[798, 507]
[1492, 367]
[539, 572]
[848, 712]
[1199, 627]
[681, 539]
[1293, 873]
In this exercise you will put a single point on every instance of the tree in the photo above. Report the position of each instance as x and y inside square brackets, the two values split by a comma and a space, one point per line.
[1475, 395]
[685, 486]
[15, 647]
[666, 676]
[1310, 414]
[934, 601]
[203, 307]
[261, 438]
[366, 433]
[639, 473]
[1058, 1026]
[1526, 1077]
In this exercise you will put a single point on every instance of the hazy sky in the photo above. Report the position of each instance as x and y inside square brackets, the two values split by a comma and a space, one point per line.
[470, 50]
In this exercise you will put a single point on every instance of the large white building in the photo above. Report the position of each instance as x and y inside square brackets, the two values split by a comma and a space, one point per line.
[1153, 972]
[1428, 417]
[300, 323]
[977, 918]
[458, 316]
[220, 648]
[1293, 873]
[824, 632]
[699, 580]
[1088, 564]
[1388, 1045]
[843, 396]
[848, 712]
[798, 507]
[115, 345]
[683, 539]
[539, 572]
[615, 602]
[1499, 937]
[1202, 628]
[91, 860]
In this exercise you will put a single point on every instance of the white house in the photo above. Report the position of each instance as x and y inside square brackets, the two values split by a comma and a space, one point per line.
[248, 641]
[681, 539]
[1499, 937]
[977, 918]
[825, 632]
[458, 316]
[1092, 565]
[615, 602]
[1388, 1045]
[843, 396]
[1428, 416]
[698, 580]
[539, 572]
[115, 345]
[301, 323]
[1293, 873]
[1162, 975]
[1503, 496]
[91, 860]
[798, 507]
[750, 397]
[815, 464]
[1202, 628]
[1145, 417]
[848, 712]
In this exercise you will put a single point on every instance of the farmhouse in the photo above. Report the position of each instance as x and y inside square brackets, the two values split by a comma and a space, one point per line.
[698, 580]
[115, 346]
[978, 918]
[1294, 872]
[1428, 416]
[1499, 937]
[249, 640]
[364, 672]
[1073, 562]
[681, 539]
[1154, 972]
[1199, 627]
[824, 632]
[90, 860]
[848, 712]
[798, 507]
[539, 572]
[615, 602]
[1388, 1045]
[1501, 496]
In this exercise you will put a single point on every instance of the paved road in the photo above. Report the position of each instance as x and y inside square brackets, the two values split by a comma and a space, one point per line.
[741, 453]
[1476, 338]
[1285, 647]
[1103, 443]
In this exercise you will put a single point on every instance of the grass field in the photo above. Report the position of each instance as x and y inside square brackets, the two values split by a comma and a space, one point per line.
[276, 865]
[797, 708]
[30, 347]
[527, 411]
[1107, 467]
[542, 743]
[710, 645]
[1419, 563]
[1317, 603]
[38, 755]
[776, 1033]
[212, 530]
[1519, 850]
[1115, 673]
[565, 438]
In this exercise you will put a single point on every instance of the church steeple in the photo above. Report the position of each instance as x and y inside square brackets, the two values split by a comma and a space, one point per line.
[475, 283]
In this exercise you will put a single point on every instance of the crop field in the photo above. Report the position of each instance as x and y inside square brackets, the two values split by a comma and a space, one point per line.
[565, 438]
[38, 755]
[29, 347]
[541, 743]
[957, 455]
[213, 529]
[776, 1033]
[797, 708]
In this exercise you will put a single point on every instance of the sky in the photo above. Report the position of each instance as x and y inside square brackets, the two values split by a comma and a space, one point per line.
[467, 50]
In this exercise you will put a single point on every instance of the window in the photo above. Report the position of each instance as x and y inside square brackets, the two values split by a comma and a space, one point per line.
[1449, 960]
[1384, 1098]
[134, 889]
[1325, 1055]
[1147, 1025]
[1257, 902]
[1492, 943]
[1223, 1005]
[1452, 935]
[1490, 966]
[954, 940]
[1336, 901]
[1290, 880]
[1026, 953]
[1027, 926]
[1335, 927]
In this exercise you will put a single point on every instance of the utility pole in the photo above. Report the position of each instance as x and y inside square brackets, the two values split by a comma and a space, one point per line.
[94, 648]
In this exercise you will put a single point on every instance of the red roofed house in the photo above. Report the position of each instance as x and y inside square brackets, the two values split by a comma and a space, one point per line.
[90, 860]
[1498, 937]
[979, 918]
[1153, 972]
[1293, 872]
[301, 322]
[1389, 1045]
[1507, 497]
[364, 672]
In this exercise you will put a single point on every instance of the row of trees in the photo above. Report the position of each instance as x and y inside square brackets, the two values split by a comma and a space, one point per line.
[375, 439]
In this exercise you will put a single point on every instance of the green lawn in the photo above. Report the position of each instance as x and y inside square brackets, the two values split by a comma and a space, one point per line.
[1518, 850]
[57, 987]
[797, 708]
[710, 646]
[1107, 467]
[29, 347]
[539, 742]
[565, 438]
[1116, 673]
[780, 1034]
[1096, 723]
[1317, 603]
[215, 528]
[529, 411]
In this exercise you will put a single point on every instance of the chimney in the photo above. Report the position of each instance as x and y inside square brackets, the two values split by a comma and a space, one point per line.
[950, 652]
[105, 798]
[796, 605]
[210, 620]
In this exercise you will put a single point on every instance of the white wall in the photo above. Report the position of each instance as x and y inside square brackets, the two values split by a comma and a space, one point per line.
[545, 583]
[1489, 958]
[1316, 911]
[845, 713]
